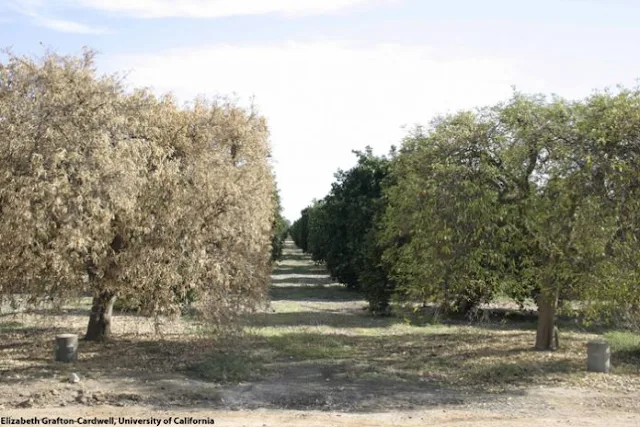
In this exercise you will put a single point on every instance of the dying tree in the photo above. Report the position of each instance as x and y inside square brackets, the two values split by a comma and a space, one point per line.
[127, 195]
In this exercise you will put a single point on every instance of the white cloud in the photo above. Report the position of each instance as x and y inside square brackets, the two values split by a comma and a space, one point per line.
[66, 26]
[32, 9]
[216, 8]
[323, 99]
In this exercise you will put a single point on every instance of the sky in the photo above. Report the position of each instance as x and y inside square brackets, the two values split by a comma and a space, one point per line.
[332, 76]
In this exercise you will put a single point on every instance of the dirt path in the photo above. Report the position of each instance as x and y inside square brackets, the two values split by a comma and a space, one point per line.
[314, 358]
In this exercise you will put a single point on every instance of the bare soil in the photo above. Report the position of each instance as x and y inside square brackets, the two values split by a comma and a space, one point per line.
[313, 358]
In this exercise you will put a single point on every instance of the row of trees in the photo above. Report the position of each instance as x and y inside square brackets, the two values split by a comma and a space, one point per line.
[115, 193]
[337, 226]
[280, 229]
[534, 197]
[339, 229]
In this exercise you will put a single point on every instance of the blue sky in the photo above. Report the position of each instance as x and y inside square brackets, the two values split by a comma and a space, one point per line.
[336, 75]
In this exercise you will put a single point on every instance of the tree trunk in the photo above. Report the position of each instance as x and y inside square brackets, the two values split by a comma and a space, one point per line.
[547, 334]
[99, 328]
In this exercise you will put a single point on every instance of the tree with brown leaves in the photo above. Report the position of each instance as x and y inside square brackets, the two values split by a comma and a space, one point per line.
[122, 194]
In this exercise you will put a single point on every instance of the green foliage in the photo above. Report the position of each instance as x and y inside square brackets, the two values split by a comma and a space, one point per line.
[300, 230]
[444, 222]
[338, 225]
[531, 197]
[375, 278]
[10, 326]
[280, 229]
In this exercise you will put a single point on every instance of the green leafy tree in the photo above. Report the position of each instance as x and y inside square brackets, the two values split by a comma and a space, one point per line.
[280, 229]
[339, 223]
[528, 197]
[300, 230]
[566, 218]
[443, 227]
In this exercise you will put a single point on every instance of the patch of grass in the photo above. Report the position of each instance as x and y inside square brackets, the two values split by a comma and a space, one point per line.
[290, 268]
[623, 341]
[319, 318]
[522, 370]
[333, 292]
[224, 367]
[310, 346]
[10, 326]
[625, 351]
[306, 279]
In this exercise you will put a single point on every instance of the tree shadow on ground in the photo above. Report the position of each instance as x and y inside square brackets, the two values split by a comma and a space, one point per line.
[298, 269]
[313, 293]
[296, 371]
[307, 279]
[338, 319]
[499, 319]
[48, 312]
[15, 335]
[626, 361]
[458, 360]
[295, 256]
